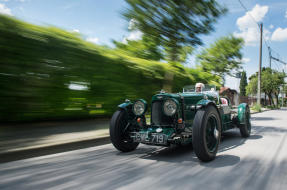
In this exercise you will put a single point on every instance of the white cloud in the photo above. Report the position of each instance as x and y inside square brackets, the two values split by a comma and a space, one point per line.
[258, 12]
[76, 30]
[285, 14]
[134, 35]
[5, 10]
[93, 40]
[245, 60]
[248, 29]
[132, 24]
[271, 26]
[279, 34]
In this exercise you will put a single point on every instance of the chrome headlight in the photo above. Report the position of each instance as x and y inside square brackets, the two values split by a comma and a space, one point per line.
[170, 107]
[139, 107]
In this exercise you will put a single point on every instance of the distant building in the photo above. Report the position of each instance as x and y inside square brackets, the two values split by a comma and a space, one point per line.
[231, 94]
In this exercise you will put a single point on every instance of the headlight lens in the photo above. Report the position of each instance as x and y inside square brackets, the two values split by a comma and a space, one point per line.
[169, 107]
[139, 107]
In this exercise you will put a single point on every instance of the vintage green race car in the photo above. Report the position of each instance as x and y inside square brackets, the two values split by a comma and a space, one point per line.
[179, 118]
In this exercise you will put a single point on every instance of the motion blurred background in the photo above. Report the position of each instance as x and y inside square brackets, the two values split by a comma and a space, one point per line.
[48, 73]
[57, 73]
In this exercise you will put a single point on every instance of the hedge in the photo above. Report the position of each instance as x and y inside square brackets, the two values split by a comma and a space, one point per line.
[40, 66]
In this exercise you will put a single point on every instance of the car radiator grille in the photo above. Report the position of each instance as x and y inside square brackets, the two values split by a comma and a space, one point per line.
[158, 117]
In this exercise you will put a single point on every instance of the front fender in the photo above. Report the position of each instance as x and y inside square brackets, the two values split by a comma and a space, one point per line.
[242, 108]
[205, 103]
[125, 106]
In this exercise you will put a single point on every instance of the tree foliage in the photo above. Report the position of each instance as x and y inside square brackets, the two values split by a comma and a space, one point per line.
[222, 57]
[184, 52]
[251, 88]
[49, 73]
[145, 48]
[243, 84]
[271, 81]
[174, 23]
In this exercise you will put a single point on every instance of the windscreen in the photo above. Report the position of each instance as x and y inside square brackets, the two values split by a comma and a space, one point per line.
[206, 88]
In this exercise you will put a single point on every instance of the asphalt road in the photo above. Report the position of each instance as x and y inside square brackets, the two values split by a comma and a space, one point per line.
[259, 162]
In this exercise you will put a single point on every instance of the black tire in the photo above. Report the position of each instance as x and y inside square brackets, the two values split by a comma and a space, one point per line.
[245, 129]
[205, 141]
[118, 136]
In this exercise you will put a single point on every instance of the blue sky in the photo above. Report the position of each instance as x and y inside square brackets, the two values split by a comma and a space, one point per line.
[100, 21]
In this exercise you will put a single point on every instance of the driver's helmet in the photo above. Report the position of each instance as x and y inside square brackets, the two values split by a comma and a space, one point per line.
[199, 87]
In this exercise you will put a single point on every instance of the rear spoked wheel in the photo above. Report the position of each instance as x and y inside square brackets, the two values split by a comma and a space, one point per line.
[245, 129]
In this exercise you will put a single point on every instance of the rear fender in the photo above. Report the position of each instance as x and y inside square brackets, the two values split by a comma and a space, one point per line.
[241, 112]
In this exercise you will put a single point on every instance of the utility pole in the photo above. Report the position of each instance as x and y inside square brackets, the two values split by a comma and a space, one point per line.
[270, 56]
[283, 89]
[260, 64]
[284, 93]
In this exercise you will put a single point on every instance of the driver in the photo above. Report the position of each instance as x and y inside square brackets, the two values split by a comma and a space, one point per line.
[199, 87]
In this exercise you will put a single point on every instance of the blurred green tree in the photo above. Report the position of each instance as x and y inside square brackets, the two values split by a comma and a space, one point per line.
[222, 57]
[183, 54]
[251, 88]
[243, 84]
[48, 73]
[145, 48]
[174, 24]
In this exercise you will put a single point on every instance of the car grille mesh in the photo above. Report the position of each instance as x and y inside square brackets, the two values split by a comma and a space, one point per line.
[158, 117]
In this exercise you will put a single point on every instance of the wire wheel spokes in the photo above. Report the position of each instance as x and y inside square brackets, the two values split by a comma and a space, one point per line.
[124, 126]
[211, 134]
[248, 119]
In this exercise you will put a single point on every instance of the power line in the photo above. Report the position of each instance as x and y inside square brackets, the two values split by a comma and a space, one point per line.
[265, 41]
[278, 67]
[254, 20]
[247, 11]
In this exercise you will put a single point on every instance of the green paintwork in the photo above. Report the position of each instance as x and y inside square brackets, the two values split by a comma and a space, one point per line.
[189, 98]
[241, 113]
[125, 105]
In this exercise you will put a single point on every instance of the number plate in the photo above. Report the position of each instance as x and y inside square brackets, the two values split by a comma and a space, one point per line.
[149, 138]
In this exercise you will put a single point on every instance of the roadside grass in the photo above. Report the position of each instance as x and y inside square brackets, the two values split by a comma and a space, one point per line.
[256, 108]
[273, 107]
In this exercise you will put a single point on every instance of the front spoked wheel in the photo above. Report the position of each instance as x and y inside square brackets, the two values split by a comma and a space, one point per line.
[119, 132]
[206, 133]
[211, 133]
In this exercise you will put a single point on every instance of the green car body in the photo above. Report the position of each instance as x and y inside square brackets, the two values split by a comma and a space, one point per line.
[192, 109]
